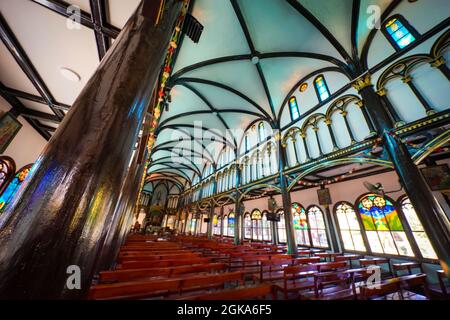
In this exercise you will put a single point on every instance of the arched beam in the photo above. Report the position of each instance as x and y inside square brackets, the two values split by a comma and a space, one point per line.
[372, 33]
[323, 30]
[226, 88]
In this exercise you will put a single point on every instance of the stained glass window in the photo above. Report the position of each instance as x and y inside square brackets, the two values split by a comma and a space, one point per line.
[13, 186]
[261, 132]
[424, 244]
[246, 143]
[293, 108]
[225, 225]
[266, 229]
[192, 225]
[383, 226]
[7, 168]
[300, 224]
[317, 227]
[216, 225]
[231, 225]
[281, 225]
[399, 32]
[247, 226]
[321, 88]
[349, 227]
[256, 225]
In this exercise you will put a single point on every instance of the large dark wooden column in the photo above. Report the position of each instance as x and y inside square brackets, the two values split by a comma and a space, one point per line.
[428, 209]
[58, 218]
[286, 199]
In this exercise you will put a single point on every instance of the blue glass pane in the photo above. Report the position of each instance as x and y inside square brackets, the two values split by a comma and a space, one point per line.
[324, 96]
[405, 41]
[400, 34]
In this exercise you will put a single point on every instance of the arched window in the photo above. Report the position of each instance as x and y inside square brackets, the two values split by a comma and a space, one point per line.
[247, 226]
[321, 88]
[293, 108]
[399, 32]
[261, 132]
[281, 226]
[231, 225]
[383, 226]
[246, 146]
[216, 225]
[256, 225]
[424, 244]
[317, 227]
[13, 186]
[193, 225]
[266, 231]
[7, 169]
[349, 227]
[300, 224]
[225, 225]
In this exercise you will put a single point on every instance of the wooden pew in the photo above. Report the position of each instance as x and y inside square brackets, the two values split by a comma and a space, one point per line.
[298, 278]
[408, 266]
[162, 263]
[246, 293]
[145, 257]
[377, 262]
[160, 288]
[136, 274]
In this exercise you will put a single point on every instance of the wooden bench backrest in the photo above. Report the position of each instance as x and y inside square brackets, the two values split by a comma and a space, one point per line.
[160, 257]
[260, 291]
[369, 262]
[307, 260]
[162, 263]
[321, 267]
[381, 289]
[133, 274]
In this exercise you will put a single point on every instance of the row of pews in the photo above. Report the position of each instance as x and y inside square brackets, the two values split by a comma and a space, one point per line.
[193, 268]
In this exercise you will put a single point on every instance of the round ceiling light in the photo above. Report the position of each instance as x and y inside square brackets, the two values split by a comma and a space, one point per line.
[255, 59]
[70, 74]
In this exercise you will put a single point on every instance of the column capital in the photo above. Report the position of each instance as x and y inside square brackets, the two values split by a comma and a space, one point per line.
[328, 122]
[362, 82]
[407, 79]
[439, 61]
[382, 92]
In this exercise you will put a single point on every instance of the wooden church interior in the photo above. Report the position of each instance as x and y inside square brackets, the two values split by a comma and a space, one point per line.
[225, 149]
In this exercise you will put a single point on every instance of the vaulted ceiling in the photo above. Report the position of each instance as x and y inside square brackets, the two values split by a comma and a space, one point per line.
[251, 57]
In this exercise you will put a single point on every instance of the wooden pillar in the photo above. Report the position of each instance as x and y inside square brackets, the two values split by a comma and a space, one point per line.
[286, 199]
[428, 209]
[58, 218]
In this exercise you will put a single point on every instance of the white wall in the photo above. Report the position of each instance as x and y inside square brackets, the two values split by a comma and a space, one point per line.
[26, 145]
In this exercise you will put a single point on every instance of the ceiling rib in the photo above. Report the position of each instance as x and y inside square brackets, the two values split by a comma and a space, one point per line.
[32, 97]
[61, 7]
[227, 88]
[98, 9]
[25, 64]
[254, 53]
[323, 30]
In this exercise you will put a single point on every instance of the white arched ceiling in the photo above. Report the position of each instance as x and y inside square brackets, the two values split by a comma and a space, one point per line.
[251, 57]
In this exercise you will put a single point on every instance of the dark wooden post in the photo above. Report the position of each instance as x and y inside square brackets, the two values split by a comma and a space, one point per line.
[58, 218]
[428, 209]
[287, 203]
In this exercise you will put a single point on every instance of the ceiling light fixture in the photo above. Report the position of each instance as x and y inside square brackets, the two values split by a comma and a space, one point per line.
[70, 74]
[255, 59]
